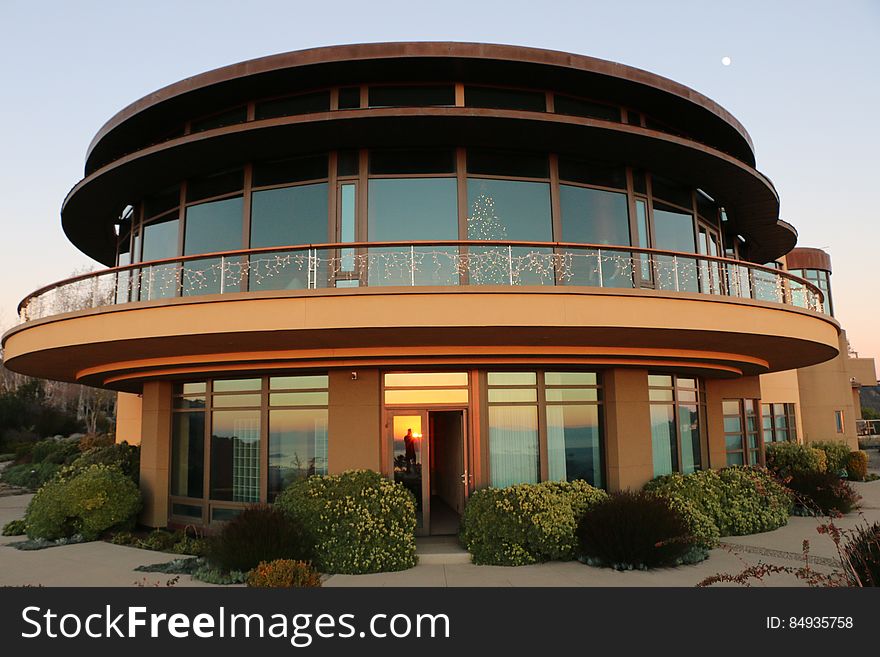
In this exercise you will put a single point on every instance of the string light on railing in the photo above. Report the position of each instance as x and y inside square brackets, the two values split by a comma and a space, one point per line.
[476, 264]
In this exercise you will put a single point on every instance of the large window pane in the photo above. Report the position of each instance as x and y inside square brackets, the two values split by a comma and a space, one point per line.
[297, 446]
[412, 209]
[290, 215]
[160, 242]
[674, 231]
[188, 455]
[663, 437]
[280, 217]
[573, 443]
[235, 456]
[513, 445]
[689, 427]
[509, 210]
[415, 209]
[594, 216]
[213, 227]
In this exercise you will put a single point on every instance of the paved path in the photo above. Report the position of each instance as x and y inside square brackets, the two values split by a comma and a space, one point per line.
[104, 564]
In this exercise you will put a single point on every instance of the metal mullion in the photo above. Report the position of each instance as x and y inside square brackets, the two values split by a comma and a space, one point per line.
[209, 421]
[543, 449]
[264, 440]
[462, 198]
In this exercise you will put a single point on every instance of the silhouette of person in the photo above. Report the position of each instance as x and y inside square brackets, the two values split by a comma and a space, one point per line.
[409, 443]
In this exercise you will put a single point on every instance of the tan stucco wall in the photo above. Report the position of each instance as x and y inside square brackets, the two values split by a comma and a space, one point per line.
[717, 391]
[354, 421]
[824, 389]
[863, 370]
[155, 452]
[783, 388]
[128, 418]
[628, 453]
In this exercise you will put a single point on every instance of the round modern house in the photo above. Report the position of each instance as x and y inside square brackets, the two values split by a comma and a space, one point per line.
[461, 265]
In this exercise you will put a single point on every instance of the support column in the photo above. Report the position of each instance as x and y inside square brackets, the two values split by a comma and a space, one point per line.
[155, 452]
[628, 453]
[355, 432]
[128, 418]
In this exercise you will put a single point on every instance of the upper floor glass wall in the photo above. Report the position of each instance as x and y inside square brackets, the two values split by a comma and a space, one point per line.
[430, 195]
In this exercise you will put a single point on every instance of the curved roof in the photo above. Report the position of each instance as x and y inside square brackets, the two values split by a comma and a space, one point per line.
[422, 61]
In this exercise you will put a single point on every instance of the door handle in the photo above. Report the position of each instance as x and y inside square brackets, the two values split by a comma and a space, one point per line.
[464, 478]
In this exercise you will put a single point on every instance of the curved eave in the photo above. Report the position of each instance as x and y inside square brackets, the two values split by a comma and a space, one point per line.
[424, 62]
[94, 204]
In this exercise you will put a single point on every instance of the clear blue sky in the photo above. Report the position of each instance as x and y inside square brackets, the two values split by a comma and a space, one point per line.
[803, 81]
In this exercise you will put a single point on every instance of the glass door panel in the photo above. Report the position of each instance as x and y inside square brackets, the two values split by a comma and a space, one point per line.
[409, 454]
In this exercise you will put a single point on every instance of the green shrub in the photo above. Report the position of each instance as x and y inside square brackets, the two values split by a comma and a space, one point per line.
[5, 458]
[160, 540]
[862, 554]
[823, 492]
[259, 533]
[14, 528]
[738, 500]
[123, 538]
[88, 503]
[121, 455]
[701, 527]
[857, 465]
[753, 501]
[355, 522]
[635, 531]
[193, 545]
[284, 574]
[54, 451]
[526, 523]
[836, 455]
[93, 440]
[787, 459]
[29, 475]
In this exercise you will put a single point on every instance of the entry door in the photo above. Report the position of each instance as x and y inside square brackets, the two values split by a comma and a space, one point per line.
[411, 460]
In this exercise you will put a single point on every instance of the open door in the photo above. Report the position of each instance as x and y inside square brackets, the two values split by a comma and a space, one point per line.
[411, 458]
[449, 476]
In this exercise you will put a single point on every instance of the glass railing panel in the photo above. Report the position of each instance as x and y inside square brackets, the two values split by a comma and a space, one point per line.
[767, 286]
[413, 266]
[279, 270]
[676, 273]
[510, 265]
[222, 275]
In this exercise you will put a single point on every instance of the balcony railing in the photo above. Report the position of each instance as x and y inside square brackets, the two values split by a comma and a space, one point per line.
[421, 264]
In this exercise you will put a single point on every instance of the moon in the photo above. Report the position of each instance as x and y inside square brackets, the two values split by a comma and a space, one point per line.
[726, 61]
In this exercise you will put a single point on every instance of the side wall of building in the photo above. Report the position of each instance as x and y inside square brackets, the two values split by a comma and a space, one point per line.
[128, 418]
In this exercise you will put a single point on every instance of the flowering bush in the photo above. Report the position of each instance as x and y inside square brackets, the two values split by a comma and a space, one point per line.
[283, 574]
[836, 455]
[355, 522]
[787, 459]
[526, 523]
[857, 465]
[738, 500]
[90, 502]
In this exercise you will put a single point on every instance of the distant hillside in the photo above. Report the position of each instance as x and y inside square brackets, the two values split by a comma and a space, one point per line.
[871, 397]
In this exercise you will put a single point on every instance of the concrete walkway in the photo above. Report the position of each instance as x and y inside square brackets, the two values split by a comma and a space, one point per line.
[103, 564]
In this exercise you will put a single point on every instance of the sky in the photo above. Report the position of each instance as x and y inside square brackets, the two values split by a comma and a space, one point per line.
[802, 79]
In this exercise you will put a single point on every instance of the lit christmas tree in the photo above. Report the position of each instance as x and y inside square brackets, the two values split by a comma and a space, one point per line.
[483, 223]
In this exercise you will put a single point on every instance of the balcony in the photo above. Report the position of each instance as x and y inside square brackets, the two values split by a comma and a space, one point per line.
[420, 304]
[422, 264]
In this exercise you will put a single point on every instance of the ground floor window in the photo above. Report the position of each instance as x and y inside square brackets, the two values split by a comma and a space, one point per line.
[239, 441]
[741, 436]
[779, 423]
[677, 408]
[544, 426]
